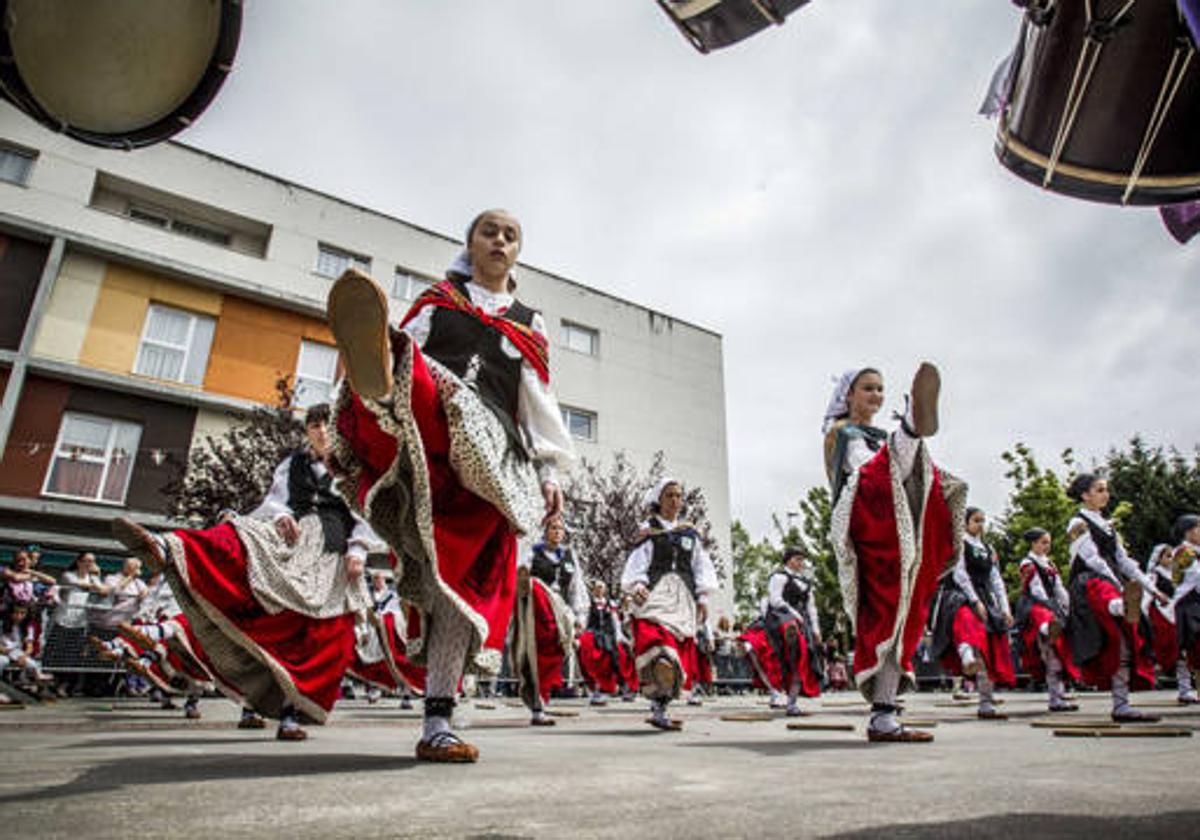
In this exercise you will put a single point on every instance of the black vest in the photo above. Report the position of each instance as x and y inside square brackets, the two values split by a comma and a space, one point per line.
[555, 573]
[1106, 544]
[309, 494]
[1162, 579]
[472, 351]
[672, 553]
[1047, 580]
[796, 591]
[979, 569]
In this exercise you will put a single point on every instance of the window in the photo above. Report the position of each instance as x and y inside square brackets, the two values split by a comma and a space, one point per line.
[331, 261]
[581, 339]
[93, 459]
[175, 345]
[581, 424]
[167, 221]
[407, 286]
[316, 370]
[15, 165]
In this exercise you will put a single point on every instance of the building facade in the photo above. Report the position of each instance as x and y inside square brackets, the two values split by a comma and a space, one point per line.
[147, 297]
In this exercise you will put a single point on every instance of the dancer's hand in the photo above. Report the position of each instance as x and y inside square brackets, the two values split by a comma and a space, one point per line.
[553, 497]
[640, 593]
[287, 529]
[354, 566]
[701, 613]
[980, 611]
[523, 584]
[1008, 621]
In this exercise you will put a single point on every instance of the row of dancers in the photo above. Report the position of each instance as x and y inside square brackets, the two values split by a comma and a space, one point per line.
[447, 444]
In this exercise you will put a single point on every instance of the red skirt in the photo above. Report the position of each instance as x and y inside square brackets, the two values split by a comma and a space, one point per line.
[648, 635]
[312, 654]
[993, 647]
[768, 661]
[379, 673]
[876, 541]
[1166, 640]
[1099, 670]
[476, 546]
[550, 654]
[628, 664]
[599, 670]
[1031, 652]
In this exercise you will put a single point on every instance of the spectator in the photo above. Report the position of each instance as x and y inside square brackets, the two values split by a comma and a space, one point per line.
[127, 591]
[78, 584]
[21, 578]
[17, 643]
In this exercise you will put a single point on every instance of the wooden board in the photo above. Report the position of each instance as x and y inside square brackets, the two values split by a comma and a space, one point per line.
[1122, 732]
[1082, 723]
[562, 713]
[749, 717]
[805, 726]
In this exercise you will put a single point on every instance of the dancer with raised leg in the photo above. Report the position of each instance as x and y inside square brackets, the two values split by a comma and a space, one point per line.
[271, 598]
[670, 577]
[896, 529]
[451, 443]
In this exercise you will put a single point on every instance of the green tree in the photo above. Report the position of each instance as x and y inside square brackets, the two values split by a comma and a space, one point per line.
[752, 564]
[1038, 500]
[816, 509]
[1150, 487]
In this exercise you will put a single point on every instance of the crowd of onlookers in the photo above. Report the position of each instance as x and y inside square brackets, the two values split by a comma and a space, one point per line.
[46, 621]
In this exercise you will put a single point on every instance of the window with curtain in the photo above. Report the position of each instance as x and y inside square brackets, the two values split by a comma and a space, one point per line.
[316, 370]
[175, 345]
[406, 286]
[581, 339]
[93, 458]
[580, 424]
[331, 261]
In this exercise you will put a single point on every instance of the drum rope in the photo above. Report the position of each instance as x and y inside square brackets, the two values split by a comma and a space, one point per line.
[1089, 55]
[1166, 98]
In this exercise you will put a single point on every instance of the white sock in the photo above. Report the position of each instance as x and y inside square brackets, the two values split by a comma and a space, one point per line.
[434, 726]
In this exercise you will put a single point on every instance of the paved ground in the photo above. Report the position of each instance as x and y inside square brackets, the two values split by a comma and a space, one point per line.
[98, 769]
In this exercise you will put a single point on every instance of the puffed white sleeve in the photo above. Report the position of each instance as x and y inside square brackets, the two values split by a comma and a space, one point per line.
[540, 418]
[999, 590]
[1132, 570]
[814, 617]
[275, 505]
[1084, 547]
[858, 454]
[963, 580]
[420, 325]
[580, 600]
[363, 539]
[1190, 582]
[775, 585]
[637, 567]
[704, 572]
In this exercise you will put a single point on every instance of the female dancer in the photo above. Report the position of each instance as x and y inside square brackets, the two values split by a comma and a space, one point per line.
[1161, 618]
[1042, 611]
[1106, 589]
[972, 618]
[1187, 595]
[784, 646]
[271, 598]
[896, 528]
[670, 576]
[551, 607]
[450, 440]
[601, 650]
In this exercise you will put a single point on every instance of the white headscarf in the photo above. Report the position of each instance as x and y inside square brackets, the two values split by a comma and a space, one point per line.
[838, 408]
[655, 493]
[1156, 555]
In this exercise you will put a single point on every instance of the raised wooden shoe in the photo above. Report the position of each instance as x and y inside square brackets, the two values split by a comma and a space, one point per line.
[926, 386]
[358, 316]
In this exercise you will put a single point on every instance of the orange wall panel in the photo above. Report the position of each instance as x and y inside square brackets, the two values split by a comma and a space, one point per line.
[255, 345]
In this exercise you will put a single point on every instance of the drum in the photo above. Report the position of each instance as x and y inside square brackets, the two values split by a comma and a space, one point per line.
[710, 24]
[116, 73]
[1104, 102]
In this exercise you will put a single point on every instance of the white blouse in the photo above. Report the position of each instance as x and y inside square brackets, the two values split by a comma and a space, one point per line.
[1084, 547]
[637, 567]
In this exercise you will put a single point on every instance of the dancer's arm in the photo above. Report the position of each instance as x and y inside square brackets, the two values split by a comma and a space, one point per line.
[539, 416]
[999, 590]
[705, 575]
[635, 579]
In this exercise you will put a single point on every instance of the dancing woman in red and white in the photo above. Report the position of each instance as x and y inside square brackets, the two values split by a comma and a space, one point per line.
[1041, 618]
[451, 442]
[670, 577]
[896, 529]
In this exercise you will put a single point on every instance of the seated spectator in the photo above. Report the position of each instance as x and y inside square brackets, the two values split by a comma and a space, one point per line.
[20, 580]
[17, 641]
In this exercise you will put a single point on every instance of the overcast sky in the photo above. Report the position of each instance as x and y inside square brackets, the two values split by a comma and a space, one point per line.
[823, 194]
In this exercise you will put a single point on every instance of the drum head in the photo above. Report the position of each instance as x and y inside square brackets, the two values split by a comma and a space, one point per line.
[116, 73]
